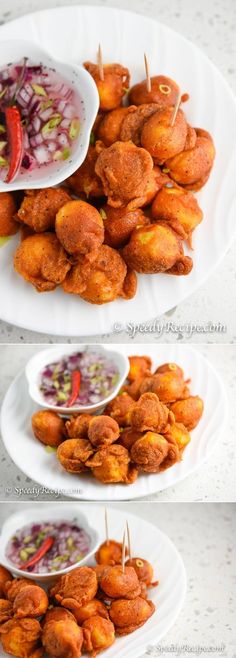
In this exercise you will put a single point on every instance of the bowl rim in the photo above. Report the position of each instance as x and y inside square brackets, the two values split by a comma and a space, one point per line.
[5, 530]
[67, 349]
[68, 70]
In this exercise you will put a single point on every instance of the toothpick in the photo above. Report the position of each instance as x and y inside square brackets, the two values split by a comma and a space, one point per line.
[106, 527]
[123, 553]
[100, 63]
[129, 539]
[149, 85]
[175, 110]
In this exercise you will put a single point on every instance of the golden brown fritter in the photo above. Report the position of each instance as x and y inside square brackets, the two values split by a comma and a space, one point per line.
[164, 92]
[103, 431]
[119, 224]
[119, 408]
[143, 570]
[77, 426]
[112, 464]
[128, 616]
[188, 411]
[76, 588]
[15, 586]
[109, 128]
[102, 280]
[140, 366]
[79, 228]
[99, 634]
[133, 123]
[170, 367]
[62, 639]
[6, 611]
[41, 260]
[48, 427]
[150, 414]
[177, 433]
[124, 170]
[84, 180]
[22, 638]
[5, 576]
[94, 607]
[117, 582]
[128, 437]
[39, 208]
[109, 553]
[168, 386]
[31, 601]
[8, 224]
[192, 167]
[73, 454]
[179, 208]
[114, 86]
[160, 138]
[156, 248]
[57, 614]
[149, 452]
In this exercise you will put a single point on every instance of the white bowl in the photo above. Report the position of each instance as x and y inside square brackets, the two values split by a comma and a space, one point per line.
[37, 514]
[38, 362]
[83, 83]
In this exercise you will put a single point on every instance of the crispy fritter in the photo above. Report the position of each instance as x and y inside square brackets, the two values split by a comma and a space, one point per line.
[150, 414]
[76, 588]
[188, 411]
[128, 616]
[179, 208]
[156, 248]
[73, 454]
[15, 586]
[41, 260]
[133, 123]
[114, 85]
[39, 208]
[168, 386]
[62, 639]
[31, 601]
[48, 427]
[8, 224]
[149, 452]
[119, 408]
[119, 224]
[192, 167]
[22, 638]
[57, 614]
[177, 433]
[79, 228]
[109, 553]
[124, 170]
[110, 127]
[143, 570]
[99, 634]
[164, 92]
[160, 138]
[77, 426]
[94, 607]
[116, 583]
[112, 464]
[103, 431]
[128, 437]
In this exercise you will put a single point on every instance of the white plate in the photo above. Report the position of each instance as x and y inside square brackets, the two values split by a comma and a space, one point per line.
[156, 547]
[72, 34]
[43, 467]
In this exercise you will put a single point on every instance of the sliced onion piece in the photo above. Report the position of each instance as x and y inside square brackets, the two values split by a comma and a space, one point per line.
[69, 111]
[63, 140]
[65, 123]
[42, 155]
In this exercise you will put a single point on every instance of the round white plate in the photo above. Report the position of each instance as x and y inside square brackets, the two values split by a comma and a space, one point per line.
[72, 34]
[150, 543]
[43, 467]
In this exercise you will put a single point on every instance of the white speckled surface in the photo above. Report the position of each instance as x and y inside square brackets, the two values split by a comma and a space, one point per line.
[214, 481]
[205, 537]
[211, 26]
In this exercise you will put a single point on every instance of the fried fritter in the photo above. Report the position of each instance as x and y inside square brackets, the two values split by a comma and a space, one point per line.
[156, 248]
[109, 553]
[22, 638]
[73, 454]
[119, 408]
[119, 224]
[192, 167]
[84, 180]
[79, 228]
[124, 170]
[103, 431]
[188, 411]
[177, 433]
[31, 601]
[150, 414]
[149, 452]
[99, 634]
[110, 127]
[116, 583]
[94, 607]
[57, 614]
[102, 280]
[48, 427]
[133, 123]
[39, 207]
[170, 367]
[5, 576]
[114, 85]
[112, 464]
[41, 260]
[143, 570]
[77, 426]
[164, 92]
[168, 386]
[127, 616]
[128, 437]
[8, 224]
[15, 586]
[62, 639]
[160, 138]
[76, 588]
[179, 208]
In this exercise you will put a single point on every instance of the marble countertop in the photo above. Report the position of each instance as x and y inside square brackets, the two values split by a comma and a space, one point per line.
[211, 25]
[205, 537]
[214, 481]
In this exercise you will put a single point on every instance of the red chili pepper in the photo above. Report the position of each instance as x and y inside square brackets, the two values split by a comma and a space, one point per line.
[76, 378]
[44, 548]
[15, 138]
